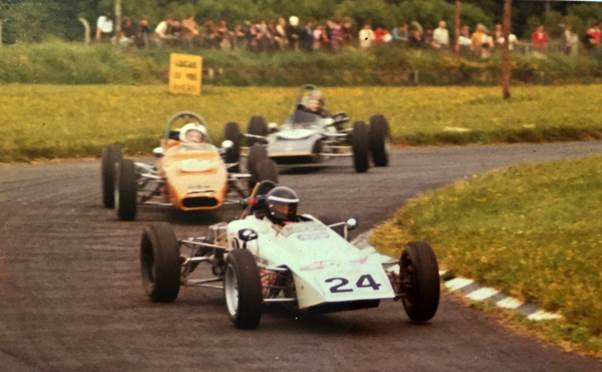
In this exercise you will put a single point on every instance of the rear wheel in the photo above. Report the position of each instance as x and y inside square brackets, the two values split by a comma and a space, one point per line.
[379, 140]
[232, 133]
[257, 126]
[361, 147]
[419, 277]
[242, 289]
[160, 262]
[110, 155]
[126, 190]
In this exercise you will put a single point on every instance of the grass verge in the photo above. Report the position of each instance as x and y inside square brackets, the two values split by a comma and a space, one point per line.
[49, 121]
[532, 231]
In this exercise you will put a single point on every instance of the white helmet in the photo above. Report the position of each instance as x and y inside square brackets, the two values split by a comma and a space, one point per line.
[193, 127]
[294, 21]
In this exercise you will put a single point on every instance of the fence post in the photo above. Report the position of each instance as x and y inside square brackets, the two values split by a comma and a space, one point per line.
[86, 30]
[0, 32]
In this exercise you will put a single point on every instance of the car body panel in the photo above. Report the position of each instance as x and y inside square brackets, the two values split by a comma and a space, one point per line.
[326, 268]
[196, 177]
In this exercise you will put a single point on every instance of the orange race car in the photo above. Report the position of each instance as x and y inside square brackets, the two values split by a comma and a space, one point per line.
[190, 173]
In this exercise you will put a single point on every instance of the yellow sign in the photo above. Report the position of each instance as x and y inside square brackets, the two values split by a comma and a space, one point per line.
[185, 73]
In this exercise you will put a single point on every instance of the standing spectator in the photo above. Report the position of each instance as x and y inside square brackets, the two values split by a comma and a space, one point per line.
[400, 33]
[477, 38]
[539, 39]
[238, 36]
[594, 36]
[223, 35]
[293, 33]
[337, 35]
[570, 41]
[307, 36]
[320, 37]
[142, 33]
[190, 31]
[441, 36]
[263, 36]
[487, 45]
[280, 34]
[500, 39]
[464, 41]
[379, 35]
[163, 31]
[366, 36]
[125, 39]
[347, 30]
[104, 28]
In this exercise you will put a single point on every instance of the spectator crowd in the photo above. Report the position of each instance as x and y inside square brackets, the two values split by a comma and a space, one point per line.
[331, 35]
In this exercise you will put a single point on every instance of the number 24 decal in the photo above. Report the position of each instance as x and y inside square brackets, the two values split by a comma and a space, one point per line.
[364, 281]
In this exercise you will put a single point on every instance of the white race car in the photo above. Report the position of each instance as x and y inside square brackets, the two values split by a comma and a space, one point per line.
[272, 255]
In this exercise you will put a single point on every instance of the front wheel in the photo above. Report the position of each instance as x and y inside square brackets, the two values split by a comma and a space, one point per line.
[110, 155]
[360, 145]
[232, 133]
[160, 262]
[242, 289]
[126, 190]
[379, 140]
[419, 280]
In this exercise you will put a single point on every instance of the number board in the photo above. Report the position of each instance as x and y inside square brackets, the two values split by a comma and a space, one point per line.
[185, 73]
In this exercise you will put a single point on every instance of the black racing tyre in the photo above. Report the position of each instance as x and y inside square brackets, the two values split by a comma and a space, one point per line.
[379, 140]
[419, 274]
[242, 289]
[126, 190]
[232, 133]
[360, 144]
[267, 170]
[317, 152]
[257, 126]
[160, 262]
[257, 153]
[110, 155]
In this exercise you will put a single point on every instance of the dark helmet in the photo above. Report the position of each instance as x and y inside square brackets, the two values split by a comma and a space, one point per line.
[281, 204]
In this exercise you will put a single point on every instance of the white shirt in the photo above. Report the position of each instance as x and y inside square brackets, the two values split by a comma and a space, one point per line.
[161, 29]
[104, 24]
[464, 41]
[512, 39]
[441, 36]
[366, 37]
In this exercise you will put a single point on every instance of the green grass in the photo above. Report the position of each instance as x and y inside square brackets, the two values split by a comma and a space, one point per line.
[533, 231]
[53, 62]
[43, 121]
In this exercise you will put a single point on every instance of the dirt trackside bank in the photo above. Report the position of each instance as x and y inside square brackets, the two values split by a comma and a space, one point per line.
[49, 121]
[532, 231]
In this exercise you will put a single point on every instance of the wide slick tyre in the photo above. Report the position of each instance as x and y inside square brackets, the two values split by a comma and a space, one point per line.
[242, 289]
[126, 190]
[257, 126]
[160, 262]
[419, 277]
[360, 144]
[258, 154]
[379, 140]
[110, 155]
[232, 133]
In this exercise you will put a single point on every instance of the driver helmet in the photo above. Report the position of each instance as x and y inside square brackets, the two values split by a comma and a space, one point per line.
[314, 100]
[281, 204]
[193, 133]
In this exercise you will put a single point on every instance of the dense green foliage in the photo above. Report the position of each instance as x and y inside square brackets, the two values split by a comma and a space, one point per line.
[64, 121]
[73, 63]
[32, 20]
[533, 231]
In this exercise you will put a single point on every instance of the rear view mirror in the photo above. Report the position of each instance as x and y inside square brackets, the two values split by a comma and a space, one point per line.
[273, 127]
[227, 144]
[351, 223]
[246, 235]
[158, 152]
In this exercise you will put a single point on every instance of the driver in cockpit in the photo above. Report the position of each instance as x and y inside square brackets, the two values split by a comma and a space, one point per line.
[311, 107]
[193, 133]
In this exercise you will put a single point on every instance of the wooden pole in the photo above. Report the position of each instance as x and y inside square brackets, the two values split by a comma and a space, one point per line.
[117, 5]
[457, 26]
[506, 62]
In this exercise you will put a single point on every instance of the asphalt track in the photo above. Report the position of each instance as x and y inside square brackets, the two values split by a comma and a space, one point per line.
[71, 298]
